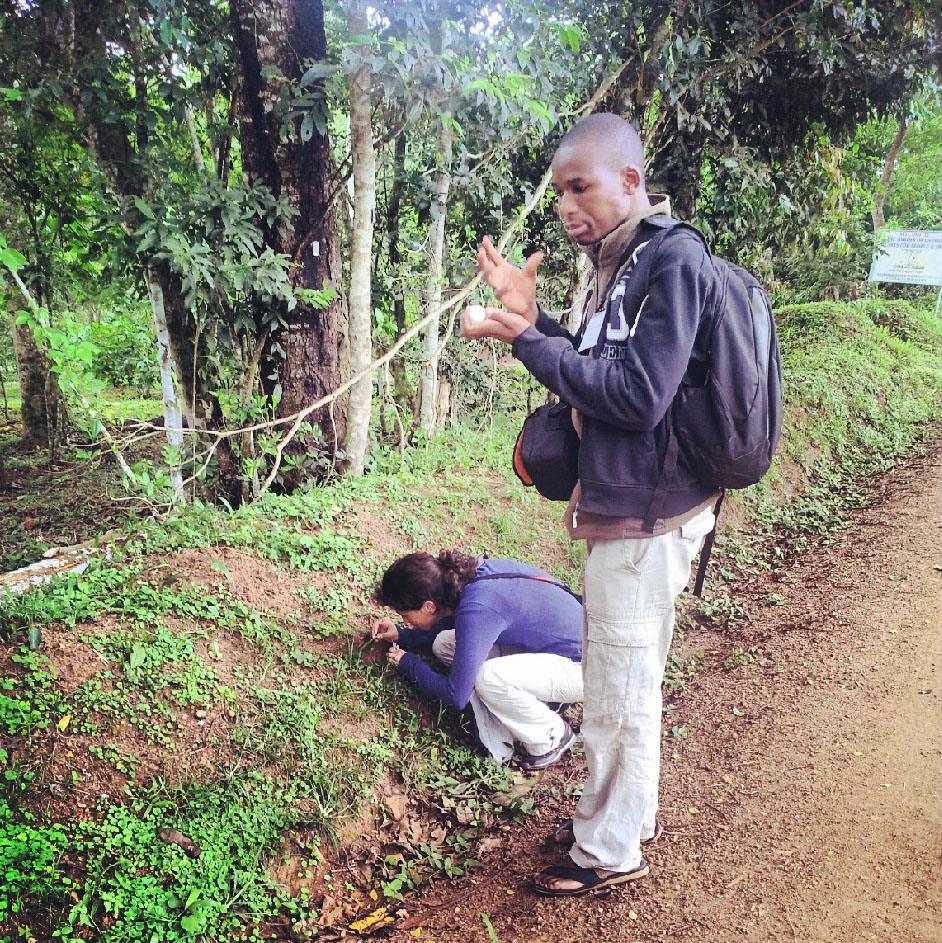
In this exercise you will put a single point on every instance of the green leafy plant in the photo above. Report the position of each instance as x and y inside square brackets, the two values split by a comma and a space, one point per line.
[29, 858]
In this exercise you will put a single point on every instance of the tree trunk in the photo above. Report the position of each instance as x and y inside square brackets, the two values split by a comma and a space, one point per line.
[33, 369]
[361, 249]
[402, 390]
[275, 40]
[883, 188]
[583, 277]
[170, 387]
[433, 294]
[42, 407]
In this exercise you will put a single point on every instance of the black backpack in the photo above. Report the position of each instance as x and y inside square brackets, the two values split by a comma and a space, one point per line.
[728, 425]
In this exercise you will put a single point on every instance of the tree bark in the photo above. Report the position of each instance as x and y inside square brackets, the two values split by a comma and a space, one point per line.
[361, 250]
[883, 187]
[402, 390]
[170, 387]
[433, 294]
[581, 284]
[275, 42]
[38, 415]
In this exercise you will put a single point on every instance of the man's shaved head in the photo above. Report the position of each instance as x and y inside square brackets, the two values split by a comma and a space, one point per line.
[607, 138]
[598, 176]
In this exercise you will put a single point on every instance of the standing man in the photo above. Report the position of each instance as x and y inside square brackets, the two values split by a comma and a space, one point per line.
[620, 374]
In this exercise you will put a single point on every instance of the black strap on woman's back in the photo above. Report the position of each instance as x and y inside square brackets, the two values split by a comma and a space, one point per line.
[527, 576]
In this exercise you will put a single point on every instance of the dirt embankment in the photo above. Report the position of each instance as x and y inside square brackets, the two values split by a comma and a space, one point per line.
[804, 802]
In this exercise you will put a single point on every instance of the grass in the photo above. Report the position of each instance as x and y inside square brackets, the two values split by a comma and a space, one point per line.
[160, 706]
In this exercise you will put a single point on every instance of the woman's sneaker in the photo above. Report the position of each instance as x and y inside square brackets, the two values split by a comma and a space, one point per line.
[566, 741]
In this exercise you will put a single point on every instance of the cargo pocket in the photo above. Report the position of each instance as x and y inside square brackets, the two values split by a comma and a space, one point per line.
[620, 662]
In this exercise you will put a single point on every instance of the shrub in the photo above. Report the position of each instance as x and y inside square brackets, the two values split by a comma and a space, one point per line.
[126, 355]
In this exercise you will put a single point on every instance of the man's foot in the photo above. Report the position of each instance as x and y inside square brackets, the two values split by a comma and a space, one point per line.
[544, 760]
[570, 881]
[563, 834]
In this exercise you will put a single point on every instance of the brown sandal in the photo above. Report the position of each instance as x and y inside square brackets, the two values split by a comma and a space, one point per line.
[588, 878]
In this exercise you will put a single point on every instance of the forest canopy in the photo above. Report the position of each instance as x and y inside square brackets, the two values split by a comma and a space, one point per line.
[248, 205]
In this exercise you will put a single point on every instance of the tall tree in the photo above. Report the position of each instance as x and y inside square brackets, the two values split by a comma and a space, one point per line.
[889, 165]
[429, 393]
[361, 239]
[283, 134]
[40, 172]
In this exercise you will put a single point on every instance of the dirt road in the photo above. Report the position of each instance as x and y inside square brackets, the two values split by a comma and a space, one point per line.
[804, 801]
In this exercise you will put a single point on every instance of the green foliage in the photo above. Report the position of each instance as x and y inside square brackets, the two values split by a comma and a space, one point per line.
[121, 590]
[861, 382]
[679, 670]
[151, 891]
[914, 199]
[124, 353]
[29, 858]
[34, 700]
[158, 659]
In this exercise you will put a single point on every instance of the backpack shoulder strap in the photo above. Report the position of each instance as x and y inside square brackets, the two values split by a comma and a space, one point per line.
[527, 576]
[640, 253]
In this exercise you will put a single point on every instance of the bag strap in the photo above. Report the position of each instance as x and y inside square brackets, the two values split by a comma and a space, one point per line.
[526, 576]
[707, 548]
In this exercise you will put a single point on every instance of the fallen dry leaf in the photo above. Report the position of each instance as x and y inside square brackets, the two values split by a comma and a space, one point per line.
[396, 804]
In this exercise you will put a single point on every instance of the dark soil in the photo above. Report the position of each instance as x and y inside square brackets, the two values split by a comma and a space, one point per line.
[58, 503]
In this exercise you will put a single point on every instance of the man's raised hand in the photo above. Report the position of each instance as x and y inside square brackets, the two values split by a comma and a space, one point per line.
[515, 288]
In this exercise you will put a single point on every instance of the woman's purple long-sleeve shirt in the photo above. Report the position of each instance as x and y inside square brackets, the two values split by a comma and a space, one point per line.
[518, 615]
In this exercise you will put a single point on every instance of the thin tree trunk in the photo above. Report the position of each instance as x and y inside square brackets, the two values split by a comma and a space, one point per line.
[582, 283]
[883, 187]
[402, 390]
[34, 369]
[361, 250]
[170, 386]
[433, 293]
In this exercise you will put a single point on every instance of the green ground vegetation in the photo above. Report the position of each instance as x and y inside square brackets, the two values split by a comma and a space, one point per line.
[181, 761]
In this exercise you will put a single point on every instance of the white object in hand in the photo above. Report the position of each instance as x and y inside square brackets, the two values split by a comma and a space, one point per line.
[476, 313]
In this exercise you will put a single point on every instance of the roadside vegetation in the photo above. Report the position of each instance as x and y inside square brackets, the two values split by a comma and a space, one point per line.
[199, 740]
[213, 218]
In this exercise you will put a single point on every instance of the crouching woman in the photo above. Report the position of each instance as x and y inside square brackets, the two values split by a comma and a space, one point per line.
[511, 636]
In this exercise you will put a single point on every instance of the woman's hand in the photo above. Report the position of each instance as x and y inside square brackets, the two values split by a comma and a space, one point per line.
[394, 655]
[385, 631]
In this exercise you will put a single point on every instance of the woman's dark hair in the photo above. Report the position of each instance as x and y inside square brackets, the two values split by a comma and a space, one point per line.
[419, 576]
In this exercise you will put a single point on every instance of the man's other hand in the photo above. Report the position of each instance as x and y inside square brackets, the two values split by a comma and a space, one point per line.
[499, 324]
[515, 288]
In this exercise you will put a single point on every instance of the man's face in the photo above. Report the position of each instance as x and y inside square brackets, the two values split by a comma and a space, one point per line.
[592, 196]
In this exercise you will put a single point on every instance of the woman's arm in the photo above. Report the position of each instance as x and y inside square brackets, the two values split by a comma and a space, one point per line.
[476, 630]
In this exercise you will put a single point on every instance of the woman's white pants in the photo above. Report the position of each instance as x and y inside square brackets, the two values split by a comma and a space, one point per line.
[511, 694]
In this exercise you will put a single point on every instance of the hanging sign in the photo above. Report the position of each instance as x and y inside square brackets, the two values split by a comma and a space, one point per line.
[908, 256]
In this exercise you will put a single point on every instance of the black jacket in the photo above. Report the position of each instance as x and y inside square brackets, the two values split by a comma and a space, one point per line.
[653, 334]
